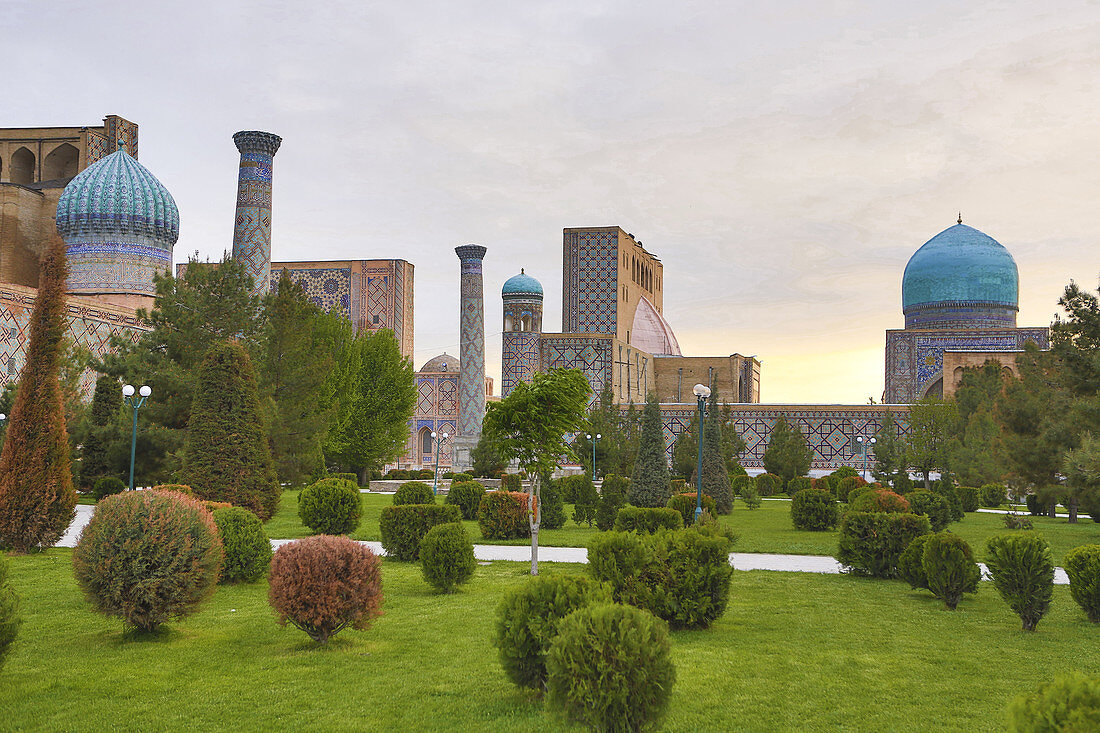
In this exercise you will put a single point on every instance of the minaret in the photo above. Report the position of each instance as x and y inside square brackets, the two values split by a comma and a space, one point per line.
[522, 295]
[252, 227]
[471, 336]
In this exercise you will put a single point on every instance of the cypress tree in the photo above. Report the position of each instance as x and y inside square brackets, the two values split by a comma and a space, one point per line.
[37, 499]
[649, 484]
[788, 454]
[95, 462]
[226, 457]
[715, 480]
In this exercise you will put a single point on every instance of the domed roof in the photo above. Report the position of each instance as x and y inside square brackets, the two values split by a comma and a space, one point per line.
[117, 194]
[522, 284]
[442, 363]
[651, 331]
[960, 264]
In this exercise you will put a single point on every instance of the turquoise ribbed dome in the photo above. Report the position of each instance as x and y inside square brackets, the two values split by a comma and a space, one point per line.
[118, 196]
[522, 284]
[960, 265]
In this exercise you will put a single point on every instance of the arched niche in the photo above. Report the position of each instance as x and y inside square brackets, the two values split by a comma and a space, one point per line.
[61, 162]
[22, 167]
[425, 440]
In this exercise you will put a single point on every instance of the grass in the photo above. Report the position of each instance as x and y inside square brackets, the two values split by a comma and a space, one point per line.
[792, 652]
[767, 529]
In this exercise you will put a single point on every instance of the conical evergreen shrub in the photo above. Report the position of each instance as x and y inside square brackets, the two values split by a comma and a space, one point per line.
[94, 459]
[227, 457]
[649, 485]
[37, 499]
[715, 479]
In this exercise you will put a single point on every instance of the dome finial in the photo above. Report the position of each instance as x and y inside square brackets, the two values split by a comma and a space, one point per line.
[960, 217]
[521, 271]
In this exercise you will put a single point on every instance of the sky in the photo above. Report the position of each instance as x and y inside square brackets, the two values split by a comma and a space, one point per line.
[784, 160]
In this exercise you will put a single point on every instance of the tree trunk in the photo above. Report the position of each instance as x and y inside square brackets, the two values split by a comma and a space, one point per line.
[536, 519]
[1071, 505]
[927, 481]
[1052, 508]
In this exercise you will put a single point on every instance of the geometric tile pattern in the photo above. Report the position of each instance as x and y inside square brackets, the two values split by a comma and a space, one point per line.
[329, 289]
[520, 359]
[591, 282]
[252, 224]
[99, 147]
[436, 409]
[590, 354]
[471, 330]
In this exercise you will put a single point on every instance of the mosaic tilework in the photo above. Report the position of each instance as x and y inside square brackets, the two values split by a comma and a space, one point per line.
[942, 316]
[252, 224]
[121, 134]
[471, 327]
[98, 147]
[328, 288]
[589, 354]
[436, 409]
[519, 359]
[112, 264]
[590, 282]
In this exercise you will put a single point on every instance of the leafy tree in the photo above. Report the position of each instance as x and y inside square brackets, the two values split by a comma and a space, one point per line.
[930, 424]
[975, 457]
[715, 479]
[788, 454]
[530, 426]
[649, 483]
[375, 392]
[622, 448]
[486, 458]
[226, 457]
[37, 499]
[100, 431]
[604, 419]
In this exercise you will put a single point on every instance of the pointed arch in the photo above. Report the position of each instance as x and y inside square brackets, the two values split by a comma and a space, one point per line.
[22, 167]
[61, 162]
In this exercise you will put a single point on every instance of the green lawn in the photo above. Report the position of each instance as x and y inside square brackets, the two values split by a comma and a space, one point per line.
[767, 529]
[794, 652]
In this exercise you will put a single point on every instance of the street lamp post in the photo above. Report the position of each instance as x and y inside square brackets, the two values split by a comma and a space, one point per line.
[864, 444]
[702, 392]
[438, 438]
[128, 396]
[592, 439]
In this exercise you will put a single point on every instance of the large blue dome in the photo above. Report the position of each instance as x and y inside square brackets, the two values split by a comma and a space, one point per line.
[522, 284]
[960, 277]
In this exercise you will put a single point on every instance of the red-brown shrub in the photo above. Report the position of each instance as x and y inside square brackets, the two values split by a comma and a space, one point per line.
[879, 500]
[148, 556]
[502, 515]
[324, 584]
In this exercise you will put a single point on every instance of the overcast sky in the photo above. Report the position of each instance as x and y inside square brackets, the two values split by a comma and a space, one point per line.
[784, 160]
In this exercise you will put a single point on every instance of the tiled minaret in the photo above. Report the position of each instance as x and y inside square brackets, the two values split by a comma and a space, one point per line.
[471, 336]
[252, 227]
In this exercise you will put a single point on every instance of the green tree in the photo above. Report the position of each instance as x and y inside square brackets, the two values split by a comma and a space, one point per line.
[685, 451]
[930, 424]
[975, 457]
[788, 454]
[375, 391]
[891, 467]
[37, 499]
[530, 426]
[226, 457]
[649, 483]
[733, 445]
[715, 479]
[1082, 470]
[486, 458]
[100, 432]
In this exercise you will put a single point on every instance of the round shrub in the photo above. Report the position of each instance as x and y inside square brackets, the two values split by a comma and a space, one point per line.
[879, 500]
[768, 484]
[685, 504]
[447, 557]
[403, 527]
[325, 584]
[466, 495]
[911, 563]
[569, 486]
[459, 477]
[331, 506]
[423, 474]
[1082, 565]
[814, 510]
[527, 621]
[9, 612]
[612, 498]
[511, 482]
[871, 543]
[609, 668]
[397, 474]
[949, 568]
[553, 508]
[247, 548]
[846, 485]
[931, 505]
[108, 486]
[352, 477]
[649, 519]
[1070, 703]
[179, 488]
[993, 495]
[968, 498]
[148, 556]
[413, 492]
[740, 482]
[1022, 570]
[502, 515]
[799, 483]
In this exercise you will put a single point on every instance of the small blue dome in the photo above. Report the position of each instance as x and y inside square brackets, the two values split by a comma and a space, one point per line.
[961, 265]
[522, 284]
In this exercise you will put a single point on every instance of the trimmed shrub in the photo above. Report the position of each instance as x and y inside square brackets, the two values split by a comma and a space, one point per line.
[685, 504]
[423, 474]
[1036, 507]
[751, 496]
[993, 495]
[682, 576]
[1022, 569]
[968, 498]
[843, 472]
[527, 621]
[872, 542]
[331, 506]
[447, 557]
[1069, 703]
[569, 486]
[502, 515]
[413, 492]
[466, 495]
[9, 611]
[814, 510]
[586, 500]
[879, 500]
[397, 474]
[352, 477]
[1082, 565]
[179, 488]
[911, 563]
[799, 483]
[403, 527]
[647, 519]
[247, 547]
[843, 487]
[553, 509]
[931, 505]
[740, 482]
[511, 482]
[612, 498]
[1013, 520]
[325, 584]
[147, 557]
[459, 477]
[768, 484]
[949, 568]
[107, 486]
[609, 667]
